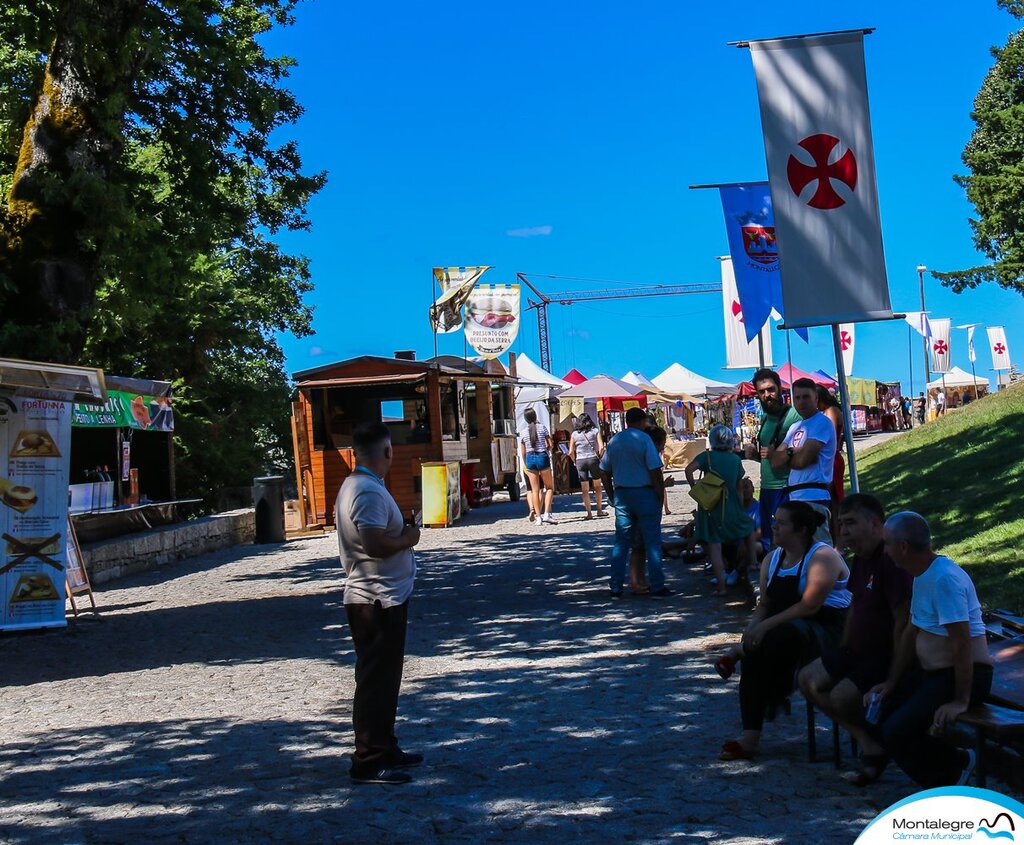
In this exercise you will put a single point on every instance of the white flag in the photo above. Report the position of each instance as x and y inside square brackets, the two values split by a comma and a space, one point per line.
[846, 340]
[738, 353]
[821, 168]
[940, 346]
[918, 321]
[971, 356]
[1000, 351]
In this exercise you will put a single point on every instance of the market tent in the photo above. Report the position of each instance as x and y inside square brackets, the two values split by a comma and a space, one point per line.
[574, 376]
[788, 373]
[831, 382]
[957, 377]
[603, 387]
[640, 380]
[677, 379]
[536, 387]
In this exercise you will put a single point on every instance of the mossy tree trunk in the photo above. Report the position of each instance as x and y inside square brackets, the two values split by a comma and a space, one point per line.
[60, 198]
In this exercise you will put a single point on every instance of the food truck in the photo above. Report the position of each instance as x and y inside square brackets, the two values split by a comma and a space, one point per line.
[452, 424]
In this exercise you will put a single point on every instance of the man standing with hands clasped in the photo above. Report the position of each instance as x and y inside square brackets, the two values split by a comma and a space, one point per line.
[376, 552]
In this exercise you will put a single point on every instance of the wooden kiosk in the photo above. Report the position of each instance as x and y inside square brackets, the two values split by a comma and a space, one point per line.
[440, 411]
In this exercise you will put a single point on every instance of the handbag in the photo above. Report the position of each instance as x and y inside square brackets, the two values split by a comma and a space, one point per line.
[710, 490]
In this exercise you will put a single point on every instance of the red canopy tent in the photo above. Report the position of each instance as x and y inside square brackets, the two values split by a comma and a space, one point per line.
[788, 373]
[574, 376]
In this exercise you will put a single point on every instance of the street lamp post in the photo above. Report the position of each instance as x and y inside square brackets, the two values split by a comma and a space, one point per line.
[927, 364]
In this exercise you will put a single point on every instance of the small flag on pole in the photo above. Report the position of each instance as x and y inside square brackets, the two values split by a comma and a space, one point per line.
[918, 321]
[740, 353]
[846, 342]
[971, 356]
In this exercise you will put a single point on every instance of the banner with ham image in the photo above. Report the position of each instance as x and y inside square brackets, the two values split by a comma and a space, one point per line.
[492, 319]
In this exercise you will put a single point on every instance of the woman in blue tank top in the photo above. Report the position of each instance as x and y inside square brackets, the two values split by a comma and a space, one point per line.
[802, 609]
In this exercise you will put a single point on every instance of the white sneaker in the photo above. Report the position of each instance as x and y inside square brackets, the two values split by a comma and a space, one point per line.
[547, 518]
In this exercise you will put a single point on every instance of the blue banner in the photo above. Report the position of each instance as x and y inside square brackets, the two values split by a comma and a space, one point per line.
[750, 225]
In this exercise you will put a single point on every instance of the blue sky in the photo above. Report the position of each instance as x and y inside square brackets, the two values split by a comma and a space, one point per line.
[561, 138]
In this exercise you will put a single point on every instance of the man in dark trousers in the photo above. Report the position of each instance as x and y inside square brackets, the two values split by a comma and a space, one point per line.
[376, 552]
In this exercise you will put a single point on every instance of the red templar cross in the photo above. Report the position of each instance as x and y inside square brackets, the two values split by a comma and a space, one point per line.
[941, 348]
[999, 349]
[736, 310]
[801, 175]
[846, 340]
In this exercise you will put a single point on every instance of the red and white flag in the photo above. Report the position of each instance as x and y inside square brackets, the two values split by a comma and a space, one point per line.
[846, 343]
[939, 343]
[821, 168]
[739, 354]
[1000, 351]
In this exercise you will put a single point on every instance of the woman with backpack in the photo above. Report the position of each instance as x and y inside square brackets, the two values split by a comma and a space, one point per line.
[724, 520]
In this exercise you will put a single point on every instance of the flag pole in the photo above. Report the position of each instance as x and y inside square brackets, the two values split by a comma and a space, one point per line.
[433, 322]
[851, 460]
[910, 359]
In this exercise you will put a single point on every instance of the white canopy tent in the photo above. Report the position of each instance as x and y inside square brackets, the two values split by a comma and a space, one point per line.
[957, 377]
[536, 387]
[640, 380]
[678, 379]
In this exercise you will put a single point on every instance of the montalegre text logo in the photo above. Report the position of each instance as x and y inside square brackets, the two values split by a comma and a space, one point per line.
[950, 814]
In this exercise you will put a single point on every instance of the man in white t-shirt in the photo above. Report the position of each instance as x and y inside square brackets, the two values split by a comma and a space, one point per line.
[808, 452]
[940, 403]
[941, 666]
[376, 547]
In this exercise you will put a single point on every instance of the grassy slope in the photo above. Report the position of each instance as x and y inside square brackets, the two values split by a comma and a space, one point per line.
[965, 474]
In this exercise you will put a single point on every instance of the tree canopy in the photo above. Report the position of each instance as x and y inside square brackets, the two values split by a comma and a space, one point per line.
[144, 182]
[995, 158]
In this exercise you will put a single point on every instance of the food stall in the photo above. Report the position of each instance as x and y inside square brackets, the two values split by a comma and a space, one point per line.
[440, 411]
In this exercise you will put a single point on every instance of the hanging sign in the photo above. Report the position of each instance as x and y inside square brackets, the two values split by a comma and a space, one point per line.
[456, 283]
[818, 147]
[35, 442]
[1000, 351]
[126, 410]
[739, 352]
[492, 319]
[939, 344]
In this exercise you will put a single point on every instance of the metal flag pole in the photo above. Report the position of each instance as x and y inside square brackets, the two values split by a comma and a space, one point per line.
[851, 459]
[760, 347]
[910, 358]
[433, 321]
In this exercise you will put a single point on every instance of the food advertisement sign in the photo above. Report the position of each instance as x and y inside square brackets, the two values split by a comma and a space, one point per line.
[127, 410]
[492, 319]
[35, 440]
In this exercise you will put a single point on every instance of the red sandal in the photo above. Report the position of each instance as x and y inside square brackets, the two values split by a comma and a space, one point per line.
[732, 750]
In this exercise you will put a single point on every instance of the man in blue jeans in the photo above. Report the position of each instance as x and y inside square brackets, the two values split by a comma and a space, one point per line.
[631, 471]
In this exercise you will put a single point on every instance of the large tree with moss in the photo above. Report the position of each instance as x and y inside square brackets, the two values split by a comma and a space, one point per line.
[142, 187]
[995, 158]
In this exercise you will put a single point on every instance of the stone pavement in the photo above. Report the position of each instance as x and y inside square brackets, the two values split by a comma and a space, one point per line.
[210, 703]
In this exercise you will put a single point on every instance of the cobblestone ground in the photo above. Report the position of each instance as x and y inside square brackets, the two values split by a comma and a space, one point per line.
[210, 703]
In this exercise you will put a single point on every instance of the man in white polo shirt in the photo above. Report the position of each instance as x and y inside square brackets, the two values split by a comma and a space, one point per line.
[376, 551]
[808, 452]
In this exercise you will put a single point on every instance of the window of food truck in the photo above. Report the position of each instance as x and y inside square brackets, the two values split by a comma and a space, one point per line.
[472, 423]
[337, 411]
[450, 412]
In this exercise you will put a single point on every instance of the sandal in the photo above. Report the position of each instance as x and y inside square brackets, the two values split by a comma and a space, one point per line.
[588, 516]
[602, 513]
[732, 750]
[725, 666]
[871, 768]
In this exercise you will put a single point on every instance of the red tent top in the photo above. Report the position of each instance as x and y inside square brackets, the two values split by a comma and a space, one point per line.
[789, 374]
[574, 377]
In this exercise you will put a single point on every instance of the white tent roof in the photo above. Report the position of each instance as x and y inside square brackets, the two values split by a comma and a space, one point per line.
[678, 379]
[639, 379]
[530, 373]
[958, 378]
[601, 387]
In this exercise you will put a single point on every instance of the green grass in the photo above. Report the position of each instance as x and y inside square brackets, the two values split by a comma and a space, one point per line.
[965, 474]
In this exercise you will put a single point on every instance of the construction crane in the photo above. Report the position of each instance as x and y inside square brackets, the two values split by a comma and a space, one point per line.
[570, 297]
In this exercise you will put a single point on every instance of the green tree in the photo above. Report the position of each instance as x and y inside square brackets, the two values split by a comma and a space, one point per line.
[995, 157]
[143, 190]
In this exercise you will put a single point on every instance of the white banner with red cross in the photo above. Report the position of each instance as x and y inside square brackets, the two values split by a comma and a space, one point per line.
[821, 168]
[939, 345]
[1000, 351]
[846, 342]
[739, 354]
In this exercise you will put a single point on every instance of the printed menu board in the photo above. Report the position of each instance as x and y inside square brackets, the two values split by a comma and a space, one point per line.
[35, 441]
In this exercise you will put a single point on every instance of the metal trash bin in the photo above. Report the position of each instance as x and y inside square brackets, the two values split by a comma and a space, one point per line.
[268, 497]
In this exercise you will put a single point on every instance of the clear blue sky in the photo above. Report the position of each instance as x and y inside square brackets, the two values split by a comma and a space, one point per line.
[449, 128]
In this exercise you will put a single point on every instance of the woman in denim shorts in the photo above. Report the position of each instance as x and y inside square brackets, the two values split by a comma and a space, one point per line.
[585, 450]
[535, 447]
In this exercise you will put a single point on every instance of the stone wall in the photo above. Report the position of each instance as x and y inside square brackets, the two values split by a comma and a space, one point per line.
[119, 556]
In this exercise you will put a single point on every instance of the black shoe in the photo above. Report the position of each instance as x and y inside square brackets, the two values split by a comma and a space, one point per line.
[385, 775]
[663, 593]
[406, 760]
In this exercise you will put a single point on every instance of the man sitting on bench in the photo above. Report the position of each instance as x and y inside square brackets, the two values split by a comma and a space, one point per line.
[942, 665]
[837, 681]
